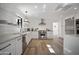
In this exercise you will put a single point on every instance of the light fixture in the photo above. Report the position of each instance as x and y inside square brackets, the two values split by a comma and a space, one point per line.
[36, 6]
[44, 6]
[75, 11]
[60, 9]
[26, 17]
[64, 5]
[25, 11]
[42, 22]
[75, 8]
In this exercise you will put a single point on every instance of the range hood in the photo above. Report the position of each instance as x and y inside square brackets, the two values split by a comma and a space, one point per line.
[42, 22]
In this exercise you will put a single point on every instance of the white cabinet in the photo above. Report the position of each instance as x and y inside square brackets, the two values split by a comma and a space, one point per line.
[34, 34]
[69, 26]
[19, 46]
[50, 34]
[72, 26]
[16, 46]
[28, 37]
[5, 49]
[13, 47]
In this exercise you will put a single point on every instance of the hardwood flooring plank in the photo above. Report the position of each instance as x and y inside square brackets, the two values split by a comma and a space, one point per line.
[38, 47]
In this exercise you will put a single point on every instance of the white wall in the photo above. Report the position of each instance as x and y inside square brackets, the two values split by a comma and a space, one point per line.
[71, 42]
[8, 32]
[34, 23]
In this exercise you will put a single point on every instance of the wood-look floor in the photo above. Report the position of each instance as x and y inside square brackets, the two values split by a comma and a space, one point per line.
[38, 47]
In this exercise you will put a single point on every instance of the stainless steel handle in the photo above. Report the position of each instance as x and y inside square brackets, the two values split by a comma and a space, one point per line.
[5, 47]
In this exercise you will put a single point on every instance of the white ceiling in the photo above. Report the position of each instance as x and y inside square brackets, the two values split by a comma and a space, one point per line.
[46, 10]
[39, 10]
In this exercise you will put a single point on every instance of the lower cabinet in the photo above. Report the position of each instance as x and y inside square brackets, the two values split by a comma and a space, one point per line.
[49, 35]
[13, 47]
[34, 34]
[19, 46]
[5, 49]
[28, 38]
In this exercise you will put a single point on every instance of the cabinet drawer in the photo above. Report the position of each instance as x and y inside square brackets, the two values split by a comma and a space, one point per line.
[13, 47]
[5, 49]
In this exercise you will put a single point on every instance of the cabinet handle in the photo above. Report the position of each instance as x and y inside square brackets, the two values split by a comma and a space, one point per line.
[5, 47]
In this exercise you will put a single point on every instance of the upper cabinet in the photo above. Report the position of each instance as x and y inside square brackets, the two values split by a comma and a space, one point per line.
[72, 26]
[69, 25]
[77, 26]
[13, 47]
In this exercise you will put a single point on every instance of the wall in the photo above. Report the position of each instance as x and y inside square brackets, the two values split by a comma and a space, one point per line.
[71, 42]
[34, 22]
[9, 31]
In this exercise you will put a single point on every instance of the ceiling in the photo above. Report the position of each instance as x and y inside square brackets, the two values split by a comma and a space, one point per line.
[45, 10]
[39, 10]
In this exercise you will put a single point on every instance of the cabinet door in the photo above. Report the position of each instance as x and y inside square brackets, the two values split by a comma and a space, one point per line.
[69, 26]
[16, 46]
[34, 35]
[19, 46]
[49, 34]
[13, 46]
[28, 38]
[77, 26]
[5, 49]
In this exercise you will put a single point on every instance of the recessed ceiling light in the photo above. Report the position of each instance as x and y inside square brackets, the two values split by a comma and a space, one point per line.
[65, 4]
[36, 6]
[60, 9]
[75, 8]
[44, 6]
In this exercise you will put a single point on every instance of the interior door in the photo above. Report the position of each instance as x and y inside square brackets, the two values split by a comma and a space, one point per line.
[55, 28]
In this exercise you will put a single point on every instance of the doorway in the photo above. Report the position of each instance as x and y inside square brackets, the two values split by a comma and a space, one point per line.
[55, 28]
